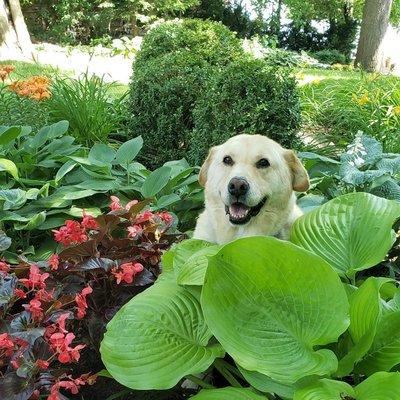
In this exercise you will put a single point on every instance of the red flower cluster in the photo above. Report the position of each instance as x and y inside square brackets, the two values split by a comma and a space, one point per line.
[115, 204]
[71, 233]
[6, 344]
[88, 222]
[71, 384]
[81, 301]
[36, 279]
[128, 272]
[4, 267]
[54, 262]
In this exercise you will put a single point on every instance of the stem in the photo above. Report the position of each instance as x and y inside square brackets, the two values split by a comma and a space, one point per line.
[199, 382]
[223, 370]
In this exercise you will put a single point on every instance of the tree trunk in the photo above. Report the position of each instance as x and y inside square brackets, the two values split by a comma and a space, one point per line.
[374, 24]
[14, 35]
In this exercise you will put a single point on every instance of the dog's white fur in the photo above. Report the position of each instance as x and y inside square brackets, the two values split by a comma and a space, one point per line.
[276, 182]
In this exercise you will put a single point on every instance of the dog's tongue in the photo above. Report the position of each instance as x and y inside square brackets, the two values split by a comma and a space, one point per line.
[238, 210]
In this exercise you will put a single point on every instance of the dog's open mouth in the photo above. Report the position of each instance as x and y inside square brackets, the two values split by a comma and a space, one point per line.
[240, 213]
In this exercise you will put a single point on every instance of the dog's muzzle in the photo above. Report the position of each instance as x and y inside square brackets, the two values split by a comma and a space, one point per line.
[240, 213]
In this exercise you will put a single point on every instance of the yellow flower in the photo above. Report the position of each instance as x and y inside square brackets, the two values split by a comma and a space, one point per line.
[396, 110]
[364, 99]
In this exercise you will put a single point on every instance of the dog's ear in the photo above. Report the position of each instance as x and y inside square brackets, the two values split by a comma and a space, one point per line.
[300, 180]
[205, 166]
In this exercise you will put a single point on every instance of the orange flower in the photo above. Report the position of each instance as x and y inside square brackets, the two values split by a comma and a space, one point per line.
[36, 88]
[5, 70]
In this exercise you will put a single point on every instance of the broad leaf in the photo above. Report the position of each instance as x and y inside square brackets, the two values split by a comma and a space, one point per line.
[101, 154]
[157, 338]
[5, 241]
[9, 134]
[384, 353]
[326, 389]
[380, 386]
[352, 232]
[184, 250]
[365, 311]
[10, 167]
[269, 303]
[129, 150]
[33, 223]
[228, 393]
[193, 271]
[67, 167]
[265, 384]
[13, 198]
[156, 182]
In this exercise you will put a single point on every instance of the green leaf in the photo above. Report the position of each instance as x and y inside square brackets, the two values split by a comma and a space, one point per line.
[184, 250]
[228, 393]
[156, 182]
[193, 271]
[33, 223]
[384, 353]
[13, 198]
[67, 167]
[79, 194]
[166, 201]
[352, 232]
[265, 384]
[326, 389]
[101, 154]
[9, 134]
[5, 241]
[10, 167]
[47, 133]
[365, 311]
[380, 386]
[129, 150]
[157, 338]
[269, 303]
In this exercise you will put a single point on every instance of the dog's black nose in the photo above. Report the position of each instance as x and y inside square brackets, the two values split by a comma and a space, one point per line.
[238, 187]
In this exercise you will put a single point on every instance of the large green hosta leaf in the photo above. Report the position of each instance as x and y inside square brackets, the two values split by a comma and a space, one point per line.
[157, 338]
[228, 393]
[269, 303]
[384, 353]
[265, 384]
[326, 389]
[352, 232]
[366, 308]
[380, 386]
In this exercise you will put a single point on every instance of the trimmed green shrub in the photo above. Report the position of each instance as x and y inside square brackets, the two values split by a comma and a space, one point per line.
[330, 57]
[163, 94]
[247, 96]
[211, 41]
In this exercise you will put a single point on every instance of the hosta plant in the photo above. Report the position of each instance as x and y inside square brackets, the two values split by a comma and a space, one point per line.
[278, 320]
[53, 313]
[46, 178]
[362, 167]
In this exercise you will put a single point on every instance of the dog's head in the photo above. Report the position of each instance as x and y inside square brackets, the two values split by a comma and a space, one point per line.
[249, 174]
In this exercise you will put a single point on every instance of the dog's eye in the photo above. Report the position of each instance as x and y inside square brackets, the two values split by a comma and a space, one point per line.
[262, 163]
[227, 160]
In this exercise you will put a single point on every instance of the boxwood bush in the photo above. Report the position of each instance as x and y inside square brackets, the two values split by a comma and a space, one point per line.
[247, 96]
[212, 41]
[330, 56]
[162, 99]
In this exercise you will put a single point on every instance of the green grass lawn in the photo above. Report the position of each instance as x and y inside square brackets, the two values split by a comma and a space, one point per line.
[337, 104]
